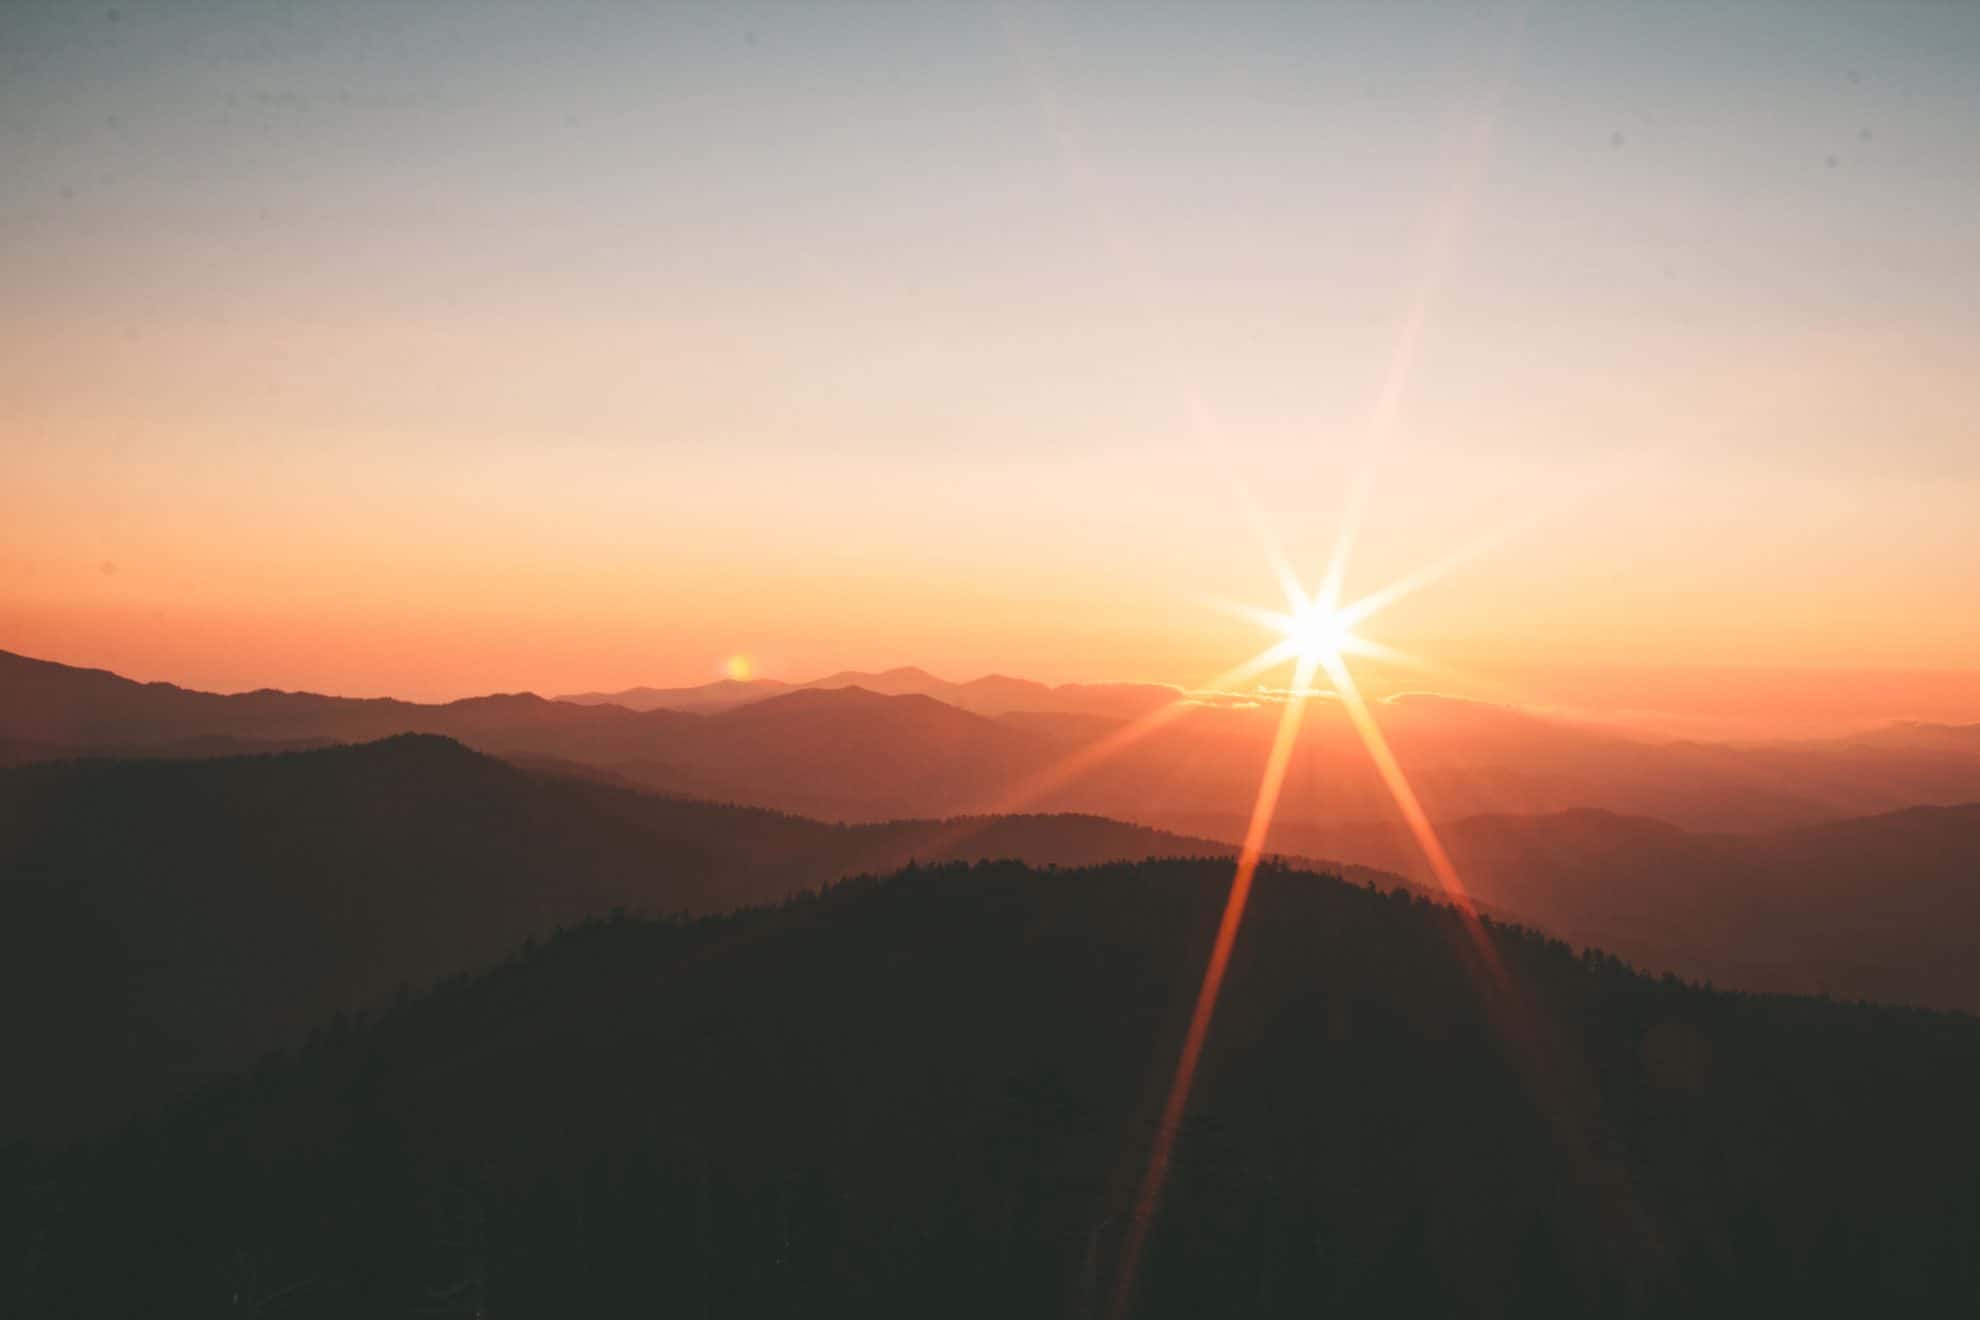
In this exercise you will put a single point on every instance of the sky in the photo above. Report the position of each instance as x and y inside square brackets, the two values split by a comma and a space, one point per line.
[446, 348]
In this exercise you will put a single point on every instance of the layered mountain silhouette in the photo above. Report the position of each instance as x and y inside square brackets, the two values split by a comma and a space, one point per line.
[46, 706]
[993, 694]
[170, 918]
[1882, 907]
[853, 754]
[702, 699]
[934, 1094]
[408, 1026]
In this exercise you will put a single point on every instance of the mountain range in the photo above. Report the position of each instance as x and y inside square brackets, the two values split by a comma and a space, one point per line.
[317, 1007]
[196, 911]
[993, 694]
[1696, 857]
[170, 919]
[1879, 907]
[852, 754]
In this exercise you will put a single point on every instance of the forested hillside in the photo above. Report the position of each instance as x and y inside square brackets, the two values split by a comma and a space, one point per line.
[170, 919]
[932, 1094]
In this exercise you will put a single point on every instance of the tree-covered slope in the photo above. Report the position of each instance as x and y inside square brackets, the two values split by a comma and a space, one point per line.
[933, 1094]
[169, 919]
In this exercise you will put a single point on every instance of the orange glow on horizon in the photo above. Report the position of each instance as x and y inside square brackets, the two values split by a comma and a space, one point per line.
[1317, 631]
[348, 412]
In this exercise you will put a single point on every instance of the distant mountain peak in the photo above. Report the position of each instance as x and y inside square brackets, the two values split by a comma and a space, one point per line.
[850, 697]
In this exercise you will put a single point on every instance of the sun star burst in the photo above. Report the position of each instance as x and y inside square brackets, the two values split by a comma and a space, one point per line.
[1316, 635]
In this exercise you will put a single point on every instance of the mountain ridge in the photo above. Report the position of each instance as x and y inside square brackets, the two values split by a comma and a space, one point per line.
[1874, 906]
[200, 909]
[847, 1104]
[916, 757]
[990, 694]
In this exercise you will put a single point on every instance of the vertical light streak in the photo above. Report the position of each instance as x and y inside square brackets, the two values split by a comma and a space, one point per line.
[1262, 810]
[1399, 788]
[1254, 518]
[1523, 1030]
[1554, 1081]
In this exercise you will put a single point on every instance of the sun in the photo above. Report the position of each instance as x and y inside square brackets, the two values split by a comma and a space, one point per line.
[1318, 634]
[739, 669]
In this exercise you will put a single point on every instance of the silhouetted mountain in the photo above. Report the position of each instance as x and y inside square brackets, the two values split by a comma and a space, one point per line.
[1912, 735]
[993, 694]
[851, 754]
[166, 918]
[94, 710]
[844, 753]
[900, 681]
[194, 748]
[703, 699]
[1882, 907]
[855, 754]
[933, 1095]
[1468, 758]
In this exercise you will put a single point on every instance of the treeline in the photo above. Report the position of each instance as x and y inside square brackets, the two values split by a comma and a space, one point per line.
[169, 921]
[933, 1093]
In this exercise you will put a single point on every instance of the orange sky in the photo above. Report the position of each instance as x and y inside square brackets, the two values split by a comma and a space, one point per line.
[528, 354]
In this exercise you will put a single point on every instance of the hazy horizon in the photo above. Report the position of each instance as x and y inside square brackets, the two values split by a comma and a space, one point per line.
[470, 348]
[1665, 701]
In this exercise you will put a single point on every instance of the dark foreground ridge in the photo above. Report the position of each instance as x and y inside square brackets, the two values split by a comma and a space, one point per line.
[930, 1095]
[170, 920]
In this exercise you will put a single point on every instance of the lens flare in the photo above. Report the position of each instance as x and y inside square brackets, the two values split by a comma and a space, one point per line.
[1319, 635]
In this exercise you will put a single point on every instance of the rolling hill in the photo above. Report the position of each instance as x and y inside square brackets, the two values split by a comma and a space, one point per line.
[702, 699]
[847, 753]
[92, 710]
[169, 918]
[1880, 907]
[934, 1095]
[993, 694]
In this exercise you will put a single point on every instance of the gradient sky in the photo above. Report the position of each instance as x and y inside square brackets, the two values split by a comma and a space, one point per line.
[433, 349]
